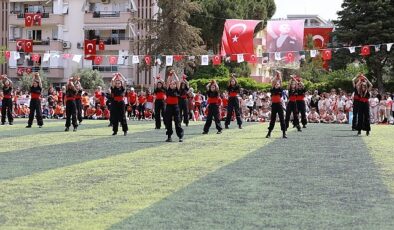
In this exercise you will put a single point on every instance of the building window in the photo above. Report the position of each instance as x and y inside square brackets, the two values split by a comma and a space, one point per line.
[34, 35]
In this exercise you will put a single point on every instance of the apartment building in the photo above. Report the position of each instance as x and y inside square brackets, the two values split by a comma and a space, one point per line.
[3, 30]
[66, 24]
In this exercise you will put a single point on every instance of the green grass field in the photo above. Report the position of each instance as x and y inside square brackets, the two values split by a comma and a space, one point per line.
[322, 178]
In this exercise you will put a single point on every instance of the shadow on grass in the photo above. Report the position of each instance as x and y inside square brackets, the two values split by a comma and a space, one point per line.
[310, 181]
[21, 163]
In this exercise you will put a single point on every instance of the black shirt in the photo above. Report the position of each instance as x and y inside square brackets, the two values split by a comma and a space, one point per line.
[71, 92]
[172, 92]
[37, 89]
[276, 91]
[7, 91]
[116, 92]
[233, 89]
[212, 93]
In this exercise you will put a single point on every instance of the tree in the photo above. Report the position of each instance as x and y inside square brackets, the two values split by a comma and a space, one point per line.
[368, 22]
[2, 56]
[90, 79]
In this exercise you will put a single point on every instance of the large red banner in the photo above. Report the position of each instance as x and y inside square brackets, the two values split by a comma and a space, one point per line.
[238, 36]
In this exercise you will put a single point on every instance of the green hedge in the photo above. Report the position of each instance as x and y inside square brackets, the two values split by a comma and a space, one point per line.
[250, 84]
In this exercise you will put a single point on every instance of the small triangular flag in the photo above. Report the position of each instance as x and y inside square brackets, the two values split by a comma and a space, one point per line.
[169, 60]
[46, 57]
[389, 45]
[77, 58]
[313, 53]
[352, 49]
[240, 58]
[377, 48]
[136, 59]
[204, 60]
[278, 56]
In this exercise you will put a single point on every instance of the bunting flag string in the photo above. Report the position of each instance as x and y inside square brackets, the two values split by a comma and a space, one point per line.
[169, 60]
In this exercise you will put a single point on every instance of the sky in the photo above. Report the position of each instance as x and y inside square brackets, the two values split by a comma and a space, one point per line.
[325, 8]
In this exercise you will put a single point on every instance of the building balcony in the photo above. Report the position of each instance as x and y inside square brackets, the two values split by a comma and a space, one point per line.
[18, 19]
[41, 46]
[107, 17]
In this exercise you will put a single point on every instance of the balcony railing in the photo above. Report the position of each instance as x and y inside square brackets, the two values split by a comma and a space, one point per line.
[106, 14]
[110, 40]
[22, 15]
[105, 68]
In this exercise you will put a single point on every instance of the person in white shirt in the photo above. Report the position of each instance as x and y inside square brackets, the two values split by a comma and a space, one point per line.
[382, 109]
[341, 117]
[373, 104]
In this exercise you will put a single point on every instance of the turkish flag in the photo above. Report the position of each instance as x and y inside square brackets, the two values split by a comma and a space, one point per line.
[217, 60]
[101, 45]
[98, 60]
[326, 55]
[7, 54]
[238, 36]
[290, 56]
[90, 49]
[28, 70]
[178, 57]
[320, 36]
[113, 60]
[251, 58]
[365, 50]
[29, 19]
[37, 19]
[35, 57]
[20, 45]
[20, 71]
[28, 46]
[148, 59]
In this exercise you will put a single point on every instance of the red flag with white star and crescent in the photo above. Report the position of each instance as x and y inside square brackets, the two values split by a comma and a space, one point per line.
[238, 36]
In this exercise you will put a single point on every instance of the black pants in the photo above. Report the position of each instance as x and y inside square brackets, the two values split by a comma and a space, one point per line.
[355, 114]
[172, 114]
[35, 108]
[277, 109]
[159, 112]
[233, 105]
[184, 110]
[71, 113]
[118, 114]
[363, 117]
[141, 111]
[78, 104]
[292, 108]
[6, 110]
[302, 110]
[213, 113]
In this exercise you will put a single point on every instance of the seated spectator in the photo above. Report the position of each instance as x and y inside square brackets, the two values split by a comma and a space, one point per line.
[59, 111]
[313, 116]
[106, 113]
[341, 117]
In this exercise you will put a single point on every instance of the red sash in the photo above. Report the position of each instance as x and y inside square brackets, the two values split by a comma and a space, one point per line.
[233, 94]
[213, 100]
[275, 98]
[118, 98]
[171, 100]
[160, 96]
[293, 98]
[35, 95]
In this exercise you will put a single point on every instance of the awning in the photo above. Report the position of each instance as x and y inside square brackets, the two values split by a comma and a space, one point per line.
[105, 26]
